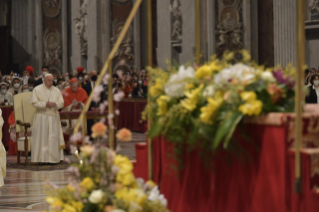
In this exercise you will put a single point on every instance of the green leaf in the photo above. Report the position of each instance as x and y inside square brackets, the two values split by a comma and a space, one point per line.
[232, 129]
[226, 128]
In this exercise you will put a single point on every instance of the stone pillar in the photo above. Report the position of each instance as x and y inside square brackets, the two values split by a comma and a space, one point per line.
[164, 51]
[92, 31]
[105, 29]
[64, 28]
[188, 29]
[39, 36]
[137, 39]
[285, 21]
[76, 58]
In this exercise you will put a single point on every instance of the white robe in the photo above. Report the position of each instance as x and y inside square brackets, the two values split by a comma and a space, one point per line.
[7, 96]
[47, 140]
[2, 154]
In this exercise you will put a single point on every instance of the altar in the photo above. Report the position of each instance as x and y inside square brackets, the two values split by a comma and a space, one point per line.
[259, 177]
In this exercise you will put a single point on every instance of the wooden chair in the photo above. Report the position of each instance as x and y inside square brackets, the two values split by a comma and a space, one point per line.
[23, 114]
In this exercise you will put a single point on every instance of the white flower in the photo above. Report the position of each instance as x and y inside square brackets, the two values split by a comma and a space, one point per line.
[97, 92]
[96, 196]
[106, 79]
[267, 76]
[140, 182]
[240, 72]
[176, 84]
[76, 137]
[118, 96]
[155, 195]
[209, 91]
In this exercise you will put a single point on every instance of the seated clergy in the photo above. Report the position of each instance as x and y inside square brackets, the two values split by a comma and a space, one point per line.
[47, 136]
[15, 85]
[5, 96]
[74, 100]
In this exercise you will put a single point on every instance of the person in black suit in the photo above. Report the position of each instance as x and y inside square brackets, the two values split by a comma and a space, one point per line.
[312, 97]
[45, 70]
[140, 90]
[88, 87]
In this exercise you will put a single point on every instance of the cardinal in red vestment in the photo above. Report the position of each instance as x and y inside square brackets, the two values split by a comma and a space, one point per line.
[74, 100]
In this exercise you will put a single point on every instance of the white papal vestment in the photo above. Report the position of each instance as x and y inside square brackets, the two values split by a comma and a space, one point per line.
[47, 141]
[2, 154]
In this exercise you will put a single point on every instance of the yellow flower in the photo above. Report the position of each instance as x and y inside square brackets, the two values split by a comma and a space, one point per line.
[246, 55]
[162, 105]
[68, 208]
[229, 56]
[192, 99]
[189, 86]
[209, 110]
[87, 150]
[203, 72]
[124, 175]
[87, 183]
[131, 195]
[50, 199]
[77, 205]
[248, 96]
[70, 188]
[215, 66]
[251, 108]
[151, 183]
[158, 88]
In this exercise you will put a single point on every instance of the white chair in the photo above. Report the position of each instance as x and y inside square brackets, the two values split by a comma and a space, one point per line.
[23, 115]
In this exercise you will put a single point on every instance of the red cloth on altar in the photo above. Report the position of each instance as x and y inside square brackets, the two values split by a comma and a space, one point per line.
[12, 145]
[69, 96]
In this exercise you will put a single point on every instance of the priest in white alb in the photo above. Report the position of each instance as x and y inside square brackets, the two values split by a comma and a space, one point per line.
[47, 135]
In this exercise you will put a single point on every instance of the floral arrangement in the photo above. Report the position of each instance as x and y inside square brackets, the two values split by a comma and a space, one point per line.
[104, 182]
[206, 103]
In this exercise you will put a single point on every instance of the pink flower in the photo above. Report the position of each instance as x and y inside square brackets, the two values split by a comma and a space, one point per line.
[119, 96]
[76, 137]
[124, 135]
[96, 93]
[103, 120]
[106, 79]
[87, 140]
[115, 170]
[73, 170]
[117, 112]
[102, 108]
[110, 116]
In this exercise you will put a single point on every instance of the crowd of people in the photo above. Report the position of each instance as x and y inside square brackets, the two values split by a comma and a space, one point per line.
[312, 83]
[73, 92]
[133, 84]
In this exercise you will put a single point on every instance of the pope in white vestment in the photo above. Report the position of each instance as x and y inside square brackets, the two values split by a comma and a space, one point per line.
[47, 141]
[2, 154]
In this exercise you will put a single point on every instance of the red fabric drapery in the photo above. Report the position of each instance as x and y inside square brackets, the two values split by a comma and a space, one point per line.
[262, 182]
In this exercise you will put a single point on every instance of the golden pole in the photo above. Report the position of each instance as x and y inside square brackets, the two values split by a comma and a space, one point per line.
[106, 64]
[150, 64]
[110, 105]
[197, 31]
[299, 80]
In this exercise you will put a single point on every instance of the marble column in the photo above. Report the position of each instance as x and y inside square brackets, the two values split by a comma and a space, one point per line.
[64, 27]
[92, 32]
[285, 22]
[188, 29]
[164, 49]
[39, 36]
[76, 58]
[105, 26]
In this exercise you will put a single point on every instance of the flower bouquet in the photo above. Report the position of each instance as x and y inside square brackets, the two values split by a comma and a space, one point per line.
[104, 182]
[207, 103]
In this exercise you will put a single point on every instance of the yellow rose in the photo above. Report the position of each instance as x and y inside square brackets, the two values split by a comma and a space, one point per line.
[162, 105]
[87, 150]
[215, 66]
[192, 99]
[70, 188]
[50, 199]
[124, 175]
[131, 195]
[203, 72]
[87, 183]
[151, 183]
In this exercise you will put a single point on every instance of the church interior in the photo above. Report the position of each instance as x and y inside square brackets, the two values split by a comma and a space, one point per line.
[159, 105]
